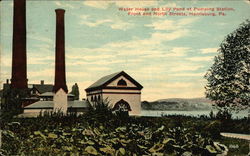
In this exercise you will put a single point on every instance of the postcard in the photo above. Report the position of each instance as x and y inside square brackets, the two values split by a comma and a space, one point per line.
[133, 77]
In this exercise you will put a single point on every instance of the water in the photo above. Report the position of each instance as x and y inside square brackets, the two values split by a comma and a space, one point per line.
[197, 113]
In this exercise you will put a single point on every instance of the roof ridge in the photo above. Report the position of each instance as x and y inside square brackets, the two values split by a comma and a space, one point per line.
[108, 78]
[104, 79]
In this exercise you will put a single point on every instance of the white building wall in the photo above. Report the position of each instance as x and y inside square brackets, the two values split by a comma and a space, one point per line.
[93, 94]
[60, 101]
[121, 91]
[36, 110]
[134, 101]
[114, 83]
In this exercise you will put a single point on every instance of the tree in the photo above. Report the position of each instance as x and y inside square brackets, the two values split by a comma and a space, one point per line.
[11, 102]
[75, 91]
[229, 77]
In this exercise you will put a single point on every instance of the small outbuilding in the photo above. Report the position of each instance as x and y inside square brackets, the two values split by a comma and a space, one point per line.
[38, 107]
[121, 91]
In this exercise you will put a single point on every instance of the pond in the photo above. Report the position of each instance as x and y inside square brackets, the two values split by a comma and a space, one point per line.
[195, 113]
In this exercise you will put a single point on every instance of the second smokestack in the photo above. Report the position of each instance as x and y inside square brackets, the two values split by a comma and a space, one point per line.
[60, 77]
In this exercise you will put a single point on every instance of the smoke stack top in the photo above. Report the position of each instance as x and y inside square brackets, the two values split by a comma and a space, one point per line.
[60, 10]
[60, 77]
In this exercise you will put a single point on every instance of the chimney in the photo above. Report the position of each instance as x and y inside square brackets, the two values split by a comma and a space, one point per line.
[42, 82]
[19, 70]
[60, 78]
[7, 81]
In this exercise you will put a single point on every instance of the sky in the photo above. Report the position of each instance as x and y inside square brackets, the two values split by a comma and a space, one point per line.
[168, 55]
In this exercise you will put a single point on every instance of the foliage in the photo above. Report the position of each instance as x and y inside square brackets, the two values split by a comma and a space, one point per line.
[12, 101]
[228, 78]
[97, 133]
[57, 134]
[101, 108]
[224, 115]
[236, 147]
[124, 140]
[75, 91]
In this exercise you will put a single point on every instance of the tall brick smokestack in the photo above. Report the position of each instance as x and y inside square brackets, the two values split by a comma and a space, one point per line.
[60, 78]
[19, 67]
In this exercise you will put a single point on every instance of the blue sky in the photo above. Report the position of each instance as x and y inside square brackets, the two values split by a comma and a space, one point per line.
[168, 55]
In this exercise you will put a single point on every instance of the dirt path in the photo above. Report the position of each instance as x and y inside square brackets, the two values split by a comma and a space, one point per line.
[235, 135]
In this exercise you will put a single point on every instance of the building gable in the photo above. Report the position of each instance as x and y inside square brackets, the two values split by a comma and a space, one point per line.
[42, 88]
[111, 82]
[121, 81]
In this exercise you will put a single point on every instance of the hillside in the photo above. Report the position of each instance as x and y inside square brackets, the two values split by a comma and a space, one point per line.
[178, 104]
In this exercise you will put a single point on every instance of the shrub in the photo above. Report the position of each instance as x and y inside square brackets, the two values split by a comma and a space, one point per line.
[224, 114]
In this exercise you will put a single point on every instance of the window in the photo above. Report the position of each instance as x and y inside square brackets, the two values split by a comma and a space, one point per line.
[95, 99]
[92, 98]
[122, 83]
[122, 105]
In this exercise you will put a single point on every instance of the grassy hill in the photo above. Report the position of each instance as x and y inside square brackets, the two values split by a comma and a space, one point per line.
[178, 104]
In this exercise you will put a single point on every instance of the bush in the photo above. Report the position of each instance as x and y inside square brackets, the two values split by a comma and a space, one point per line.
[214, 129]
[224, 114]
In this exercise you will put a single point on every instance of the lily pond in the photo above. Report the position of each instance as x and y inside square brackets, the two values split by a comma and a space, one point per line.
[108, 134]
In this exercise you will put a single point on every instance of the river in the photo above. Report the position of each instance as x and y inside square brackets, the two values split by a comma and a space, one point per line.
[196, 113]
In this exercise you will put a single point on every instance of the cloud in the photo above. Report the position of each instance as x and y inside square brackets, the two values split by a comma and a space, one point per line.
[112, 23]
[163, 90]
[84, 17]
[39, 60]
[96, 62]
[184, 67]
[173, 52]
[123, 51]
[92, 57]
[209, 50]
[159, 37]
[43, 45]
[11, 3]
[95, 23]
[178, 51]
[106, 4]
[187, 74]
[152, 69]
[78, 74]
[41, 73]
[247, 1]
[171, 24]
[200, 58]
[177, 85]
[122, 25]
[65, 5]
[6, 61]
[135, 4]
[163, 25]
[222, 23]
[148, 43]
[97, 4]
[98, 68]
[172, 4]
[40, 38]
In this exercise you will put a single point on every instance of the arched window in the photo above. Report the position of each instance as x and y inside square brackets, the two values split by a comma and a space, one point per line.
[122, 105]
[122, 83]
[95, 99]
[99, 98]
[92, 99]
